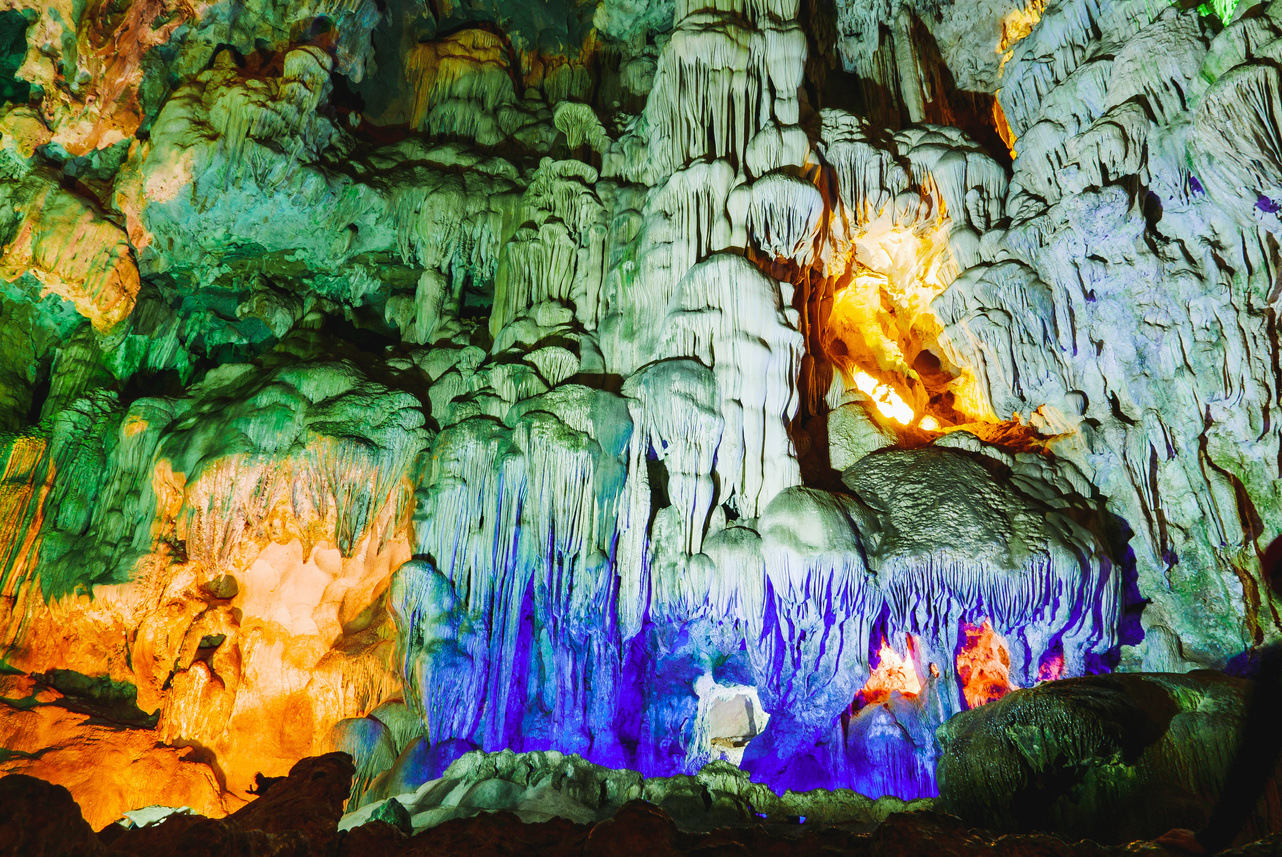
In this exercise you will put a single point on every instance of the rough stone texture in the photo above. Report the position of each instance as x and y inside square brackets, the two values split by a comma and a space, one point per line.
[310, 800]
[296, 815]
[637, 828]
[1109, 758]
[540, 786]
[1084, 259]
[409, 379]
[105, 754]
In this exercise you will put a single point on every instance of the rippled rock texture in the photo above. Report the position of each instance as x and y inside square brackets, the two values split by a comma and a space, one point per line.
[751, 382]
[1109, 758]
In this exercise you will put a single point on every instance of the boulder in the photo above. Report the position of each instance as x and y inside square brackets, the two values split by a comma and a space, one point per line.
[1114, 758]
[40, 819]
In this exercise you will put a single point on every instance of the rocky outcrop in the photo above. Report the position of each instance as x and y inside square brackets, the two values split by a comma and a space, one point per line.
[1109, 758]
[298, 815]
[541, 786]
[757, 382]
[40, 818]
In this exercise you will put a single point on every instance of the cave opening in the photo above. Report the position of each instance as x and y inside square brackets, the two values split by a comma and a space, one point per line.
[891, 673]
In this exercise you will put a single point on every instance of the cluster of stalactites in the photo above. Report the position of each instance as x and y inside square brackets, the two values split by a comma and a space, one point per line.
[540, 496]
[210, 178]
[530, 506]
[726, 72]
[815, 614]
[735, 320]
[1065, 39]
[1037, 352]
[516, 518]
[722, 114]
[926, 546]
[279, 110]
[52, 494]
[306, 437]
[445, 678]
[785, 216]
[676, 409]
[558, 253]
[933, 176]
[1114, 317]
[453, 223]
[459, 84]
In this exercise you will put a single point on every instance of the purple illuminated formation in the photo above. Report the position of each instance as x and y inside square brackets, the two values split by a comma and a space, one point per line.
[605, 399]
[532, 643]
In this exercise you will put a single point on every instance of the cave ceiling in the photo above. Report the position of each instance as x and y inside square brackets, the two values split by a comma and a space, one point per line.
[662, 382]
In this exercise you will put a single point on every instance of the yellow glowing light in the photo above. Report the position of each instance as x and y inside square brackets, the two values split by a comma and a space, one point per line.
[888, 402]
[886, 273]
[970, 396]
[134, 425]
[1016, 25]
[1003, 126]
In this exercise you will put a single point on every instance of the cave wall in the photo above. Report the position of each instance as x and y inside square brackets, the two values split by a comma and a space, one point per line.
[766, 380]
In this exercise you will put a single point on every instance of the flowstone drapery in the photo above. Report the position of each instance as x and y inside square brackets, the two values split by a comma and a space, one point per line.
[762, 381]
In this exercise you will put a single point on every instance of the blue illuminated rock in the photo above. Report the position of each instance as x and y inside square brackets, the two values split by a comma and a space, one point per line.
[668, 386]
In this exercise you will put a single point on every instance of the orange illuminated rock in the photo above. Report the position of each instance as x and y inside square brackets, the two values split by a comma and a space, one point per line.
[983, 665]
[893, 672]
[67, 244]
[438, 66]
[1017, 24]
[100, 105]
[108, 766]
[256, 678]
[312, 646]
[253, 624]
[880, 314]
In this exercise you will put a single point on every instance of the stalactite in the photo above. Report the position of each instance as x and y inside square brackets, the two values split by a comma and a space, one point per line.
[616, 382]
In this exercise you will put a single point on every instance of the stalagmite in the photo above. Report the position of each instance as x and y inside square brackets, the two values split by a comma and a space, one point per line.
[729, 391]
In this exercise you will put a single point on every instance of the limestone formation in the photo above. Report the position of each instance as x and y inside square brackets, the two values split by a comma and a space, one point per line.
[544, 785]
[1154, 749]
[721, 389]
[298, 816]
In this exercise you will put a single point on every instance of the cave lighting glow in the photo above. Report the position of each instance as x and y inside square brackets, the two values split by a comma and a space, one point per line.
[983, 665]
[893, 673]
[889, 403]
